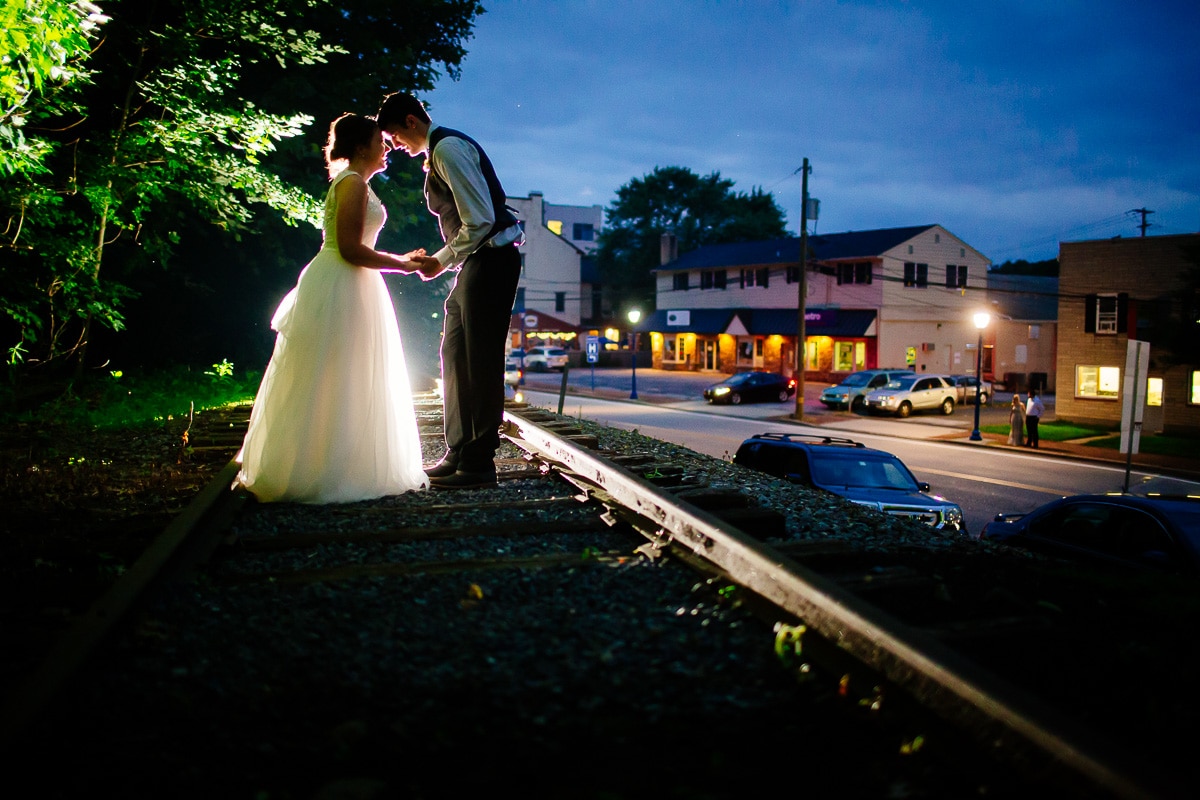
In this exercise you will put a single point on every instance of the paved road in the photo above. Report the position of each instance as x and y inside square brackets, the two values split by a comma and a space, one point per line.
[984, 480]
[684, 390]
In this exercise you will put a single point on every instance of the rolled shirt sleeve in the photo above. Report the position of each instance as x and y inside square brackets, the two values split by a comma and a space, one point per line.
[456, 162]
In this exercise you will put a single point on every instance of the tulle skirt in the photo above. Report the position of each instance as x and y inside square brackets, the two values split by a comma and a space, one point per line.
[333, 421]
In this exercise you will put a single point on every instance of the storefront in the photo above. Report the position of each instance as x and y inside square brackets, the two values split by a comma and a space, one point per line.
[533, 329]
[728, 341]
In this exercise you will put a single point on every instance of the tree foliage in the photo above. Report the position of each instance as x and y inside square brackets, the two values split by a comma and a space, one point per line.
[1045, 269]
[185, 120]
[698, 210]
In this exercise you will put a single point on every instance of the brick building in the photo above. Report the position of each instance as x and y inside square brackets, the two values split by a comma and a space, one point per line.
[1114, 290]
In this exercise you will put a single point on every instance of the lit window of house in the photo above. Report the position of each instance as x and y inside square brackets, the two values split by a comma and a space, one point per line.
[1098, 382]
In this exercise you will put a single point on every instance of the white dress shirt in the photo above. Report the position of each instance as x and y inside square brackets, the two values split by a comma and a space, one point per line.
[456, 162]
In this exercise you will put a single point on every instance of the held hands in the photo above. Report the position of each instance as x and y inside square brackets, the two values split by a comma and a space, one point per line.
[427, 266]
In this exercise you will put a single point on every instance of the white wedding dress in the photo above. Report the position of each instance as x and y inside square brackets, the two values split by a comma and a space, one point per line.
[333, 421]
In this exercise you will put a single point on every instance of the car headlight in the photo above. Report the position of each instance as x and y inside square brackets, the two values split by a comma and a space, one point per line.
[954, 516]
[720, 390]
[889, 400]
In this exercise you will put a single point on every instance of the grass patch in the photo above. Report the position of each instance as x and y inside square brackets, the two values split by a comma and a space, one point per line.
[117, 400]
[1180, 446]
[1053, 431]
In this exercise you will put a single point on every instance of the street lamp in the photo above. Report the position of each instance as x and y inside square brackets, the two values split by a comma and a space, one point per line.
[982, 319]
[634, 316]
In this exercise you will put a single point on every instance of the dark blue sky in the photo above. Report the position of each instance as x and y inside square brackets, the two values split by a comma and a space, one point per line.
[1016, 125]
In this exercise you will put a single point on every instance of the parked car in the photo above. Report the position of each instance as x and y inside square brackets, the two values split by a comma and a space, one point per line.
[910, 393]
[540, 359]
[1158, 532]
[851, 470]
[512, 371]
[851, 393]
[966, 389]
[748, 387]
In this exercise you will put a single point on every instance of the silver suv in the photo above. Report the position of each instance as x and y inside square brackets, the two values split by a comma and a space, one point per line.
[540, 359]
[852, 391]
[910, 393]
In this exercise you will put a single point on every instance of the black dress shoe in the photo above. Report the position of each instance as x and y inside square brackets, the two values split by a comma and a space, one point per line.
[442, 469]
[465, 480]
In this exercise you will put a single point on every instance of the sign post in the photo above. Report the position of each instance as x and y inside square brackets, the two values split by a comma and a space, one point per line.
[592, 348]
[1133, 399]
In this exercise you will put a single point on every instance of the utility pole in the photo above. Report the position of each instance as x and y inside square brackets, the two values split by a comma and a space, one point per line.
[801, 348]
[1143, 212]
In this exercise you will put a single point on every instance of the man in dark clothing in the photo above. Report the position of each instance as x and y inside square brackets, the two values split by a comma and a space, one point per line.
[481, 237]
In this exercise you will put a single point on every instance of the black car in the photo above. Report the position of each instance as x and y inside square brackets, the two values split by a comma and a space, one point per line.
[748, 387]
[1143, 532]
[851, 470]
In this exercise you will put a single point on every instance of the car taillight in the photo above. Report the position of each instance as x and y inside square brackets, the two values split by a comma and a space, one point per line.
[791, 383]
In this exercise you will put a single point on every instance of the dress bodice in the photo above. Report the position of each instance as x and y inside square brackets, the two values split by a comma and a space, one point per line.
[372, 225]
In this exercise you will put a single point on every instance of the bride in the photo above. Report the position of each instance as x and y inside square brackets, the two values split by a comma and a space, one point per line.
[333, 419]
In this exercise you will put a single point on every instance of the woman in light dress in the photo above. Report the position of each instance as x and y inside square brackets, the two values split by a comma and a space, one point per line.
[1016, 422]
[333, 420]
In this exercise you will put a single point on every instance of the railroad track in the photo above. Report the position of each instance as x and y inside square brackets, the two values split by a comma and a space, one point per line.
[610, 590]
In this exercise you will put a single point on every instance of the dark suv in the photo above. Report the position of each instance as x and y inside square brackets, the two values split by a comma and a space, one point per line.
[851, 470]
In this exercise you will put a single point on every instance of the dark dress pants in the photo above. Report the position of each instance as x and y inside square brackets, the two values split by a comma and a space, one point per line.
[478, 312]
[1031, 431]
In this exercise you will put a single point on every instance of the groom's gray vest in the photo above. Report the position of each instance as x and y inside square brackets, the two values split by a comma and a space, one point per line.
[439, 197]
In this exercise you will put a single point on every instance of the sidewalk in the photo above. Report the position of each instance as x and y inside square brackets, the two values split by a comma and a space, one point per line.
[682, 390]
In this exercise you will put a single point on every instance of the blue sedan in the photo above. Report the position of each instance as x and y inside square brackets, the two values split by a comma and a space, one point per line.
[1152, 532]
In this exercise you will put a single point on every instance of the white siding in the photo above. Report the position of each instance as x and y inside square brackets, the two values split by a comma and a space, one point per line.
[552, 263]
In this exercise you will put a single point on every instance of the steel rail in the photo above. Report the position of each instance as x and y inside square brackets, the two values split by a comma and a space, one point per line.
[942, 680]
[190, 537]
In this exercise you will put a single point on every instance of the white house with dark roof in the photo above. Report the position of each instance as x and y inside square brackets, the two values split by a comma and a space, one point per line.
[892, 297]
[555, 294]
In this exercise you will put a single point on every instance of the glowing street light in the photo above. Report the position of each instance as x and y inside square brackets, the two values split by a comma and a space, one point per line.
[982, 320]
[634, 315]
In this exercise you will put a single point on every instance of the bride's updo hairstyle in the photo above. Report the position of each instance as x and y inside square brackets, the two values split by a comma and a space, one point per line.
[347, 133]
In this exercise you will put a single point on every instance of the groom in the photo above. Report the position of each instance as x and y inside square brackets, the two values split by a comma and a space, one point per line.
[481, 237]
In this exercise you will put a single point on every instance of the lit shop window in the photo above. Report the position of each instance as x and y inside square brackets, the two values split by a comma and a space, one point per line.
[849, 356]
[1100, 382]
[1194, 389]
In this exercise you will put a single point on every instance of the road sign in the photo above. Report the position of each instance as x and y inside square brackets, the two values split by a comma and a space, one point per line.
[593, 349]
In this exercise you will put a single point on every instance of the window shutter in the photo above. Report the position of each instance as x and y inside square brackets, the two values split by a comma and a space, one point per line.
[1089, 314]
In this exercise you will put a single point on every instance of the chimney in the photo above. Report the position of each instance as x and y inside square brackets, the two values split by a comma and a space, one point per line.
[668, 249]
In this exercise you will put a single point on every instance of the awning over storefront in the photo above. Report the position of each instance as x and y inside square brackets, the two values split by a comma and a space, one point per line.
[537, 325]
[704, 321]
[835, 322]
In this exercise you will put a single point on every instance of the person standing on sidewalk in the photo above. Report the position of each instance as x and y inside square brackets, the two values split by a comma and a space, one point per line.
[1016, 422]
[1033, 414]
